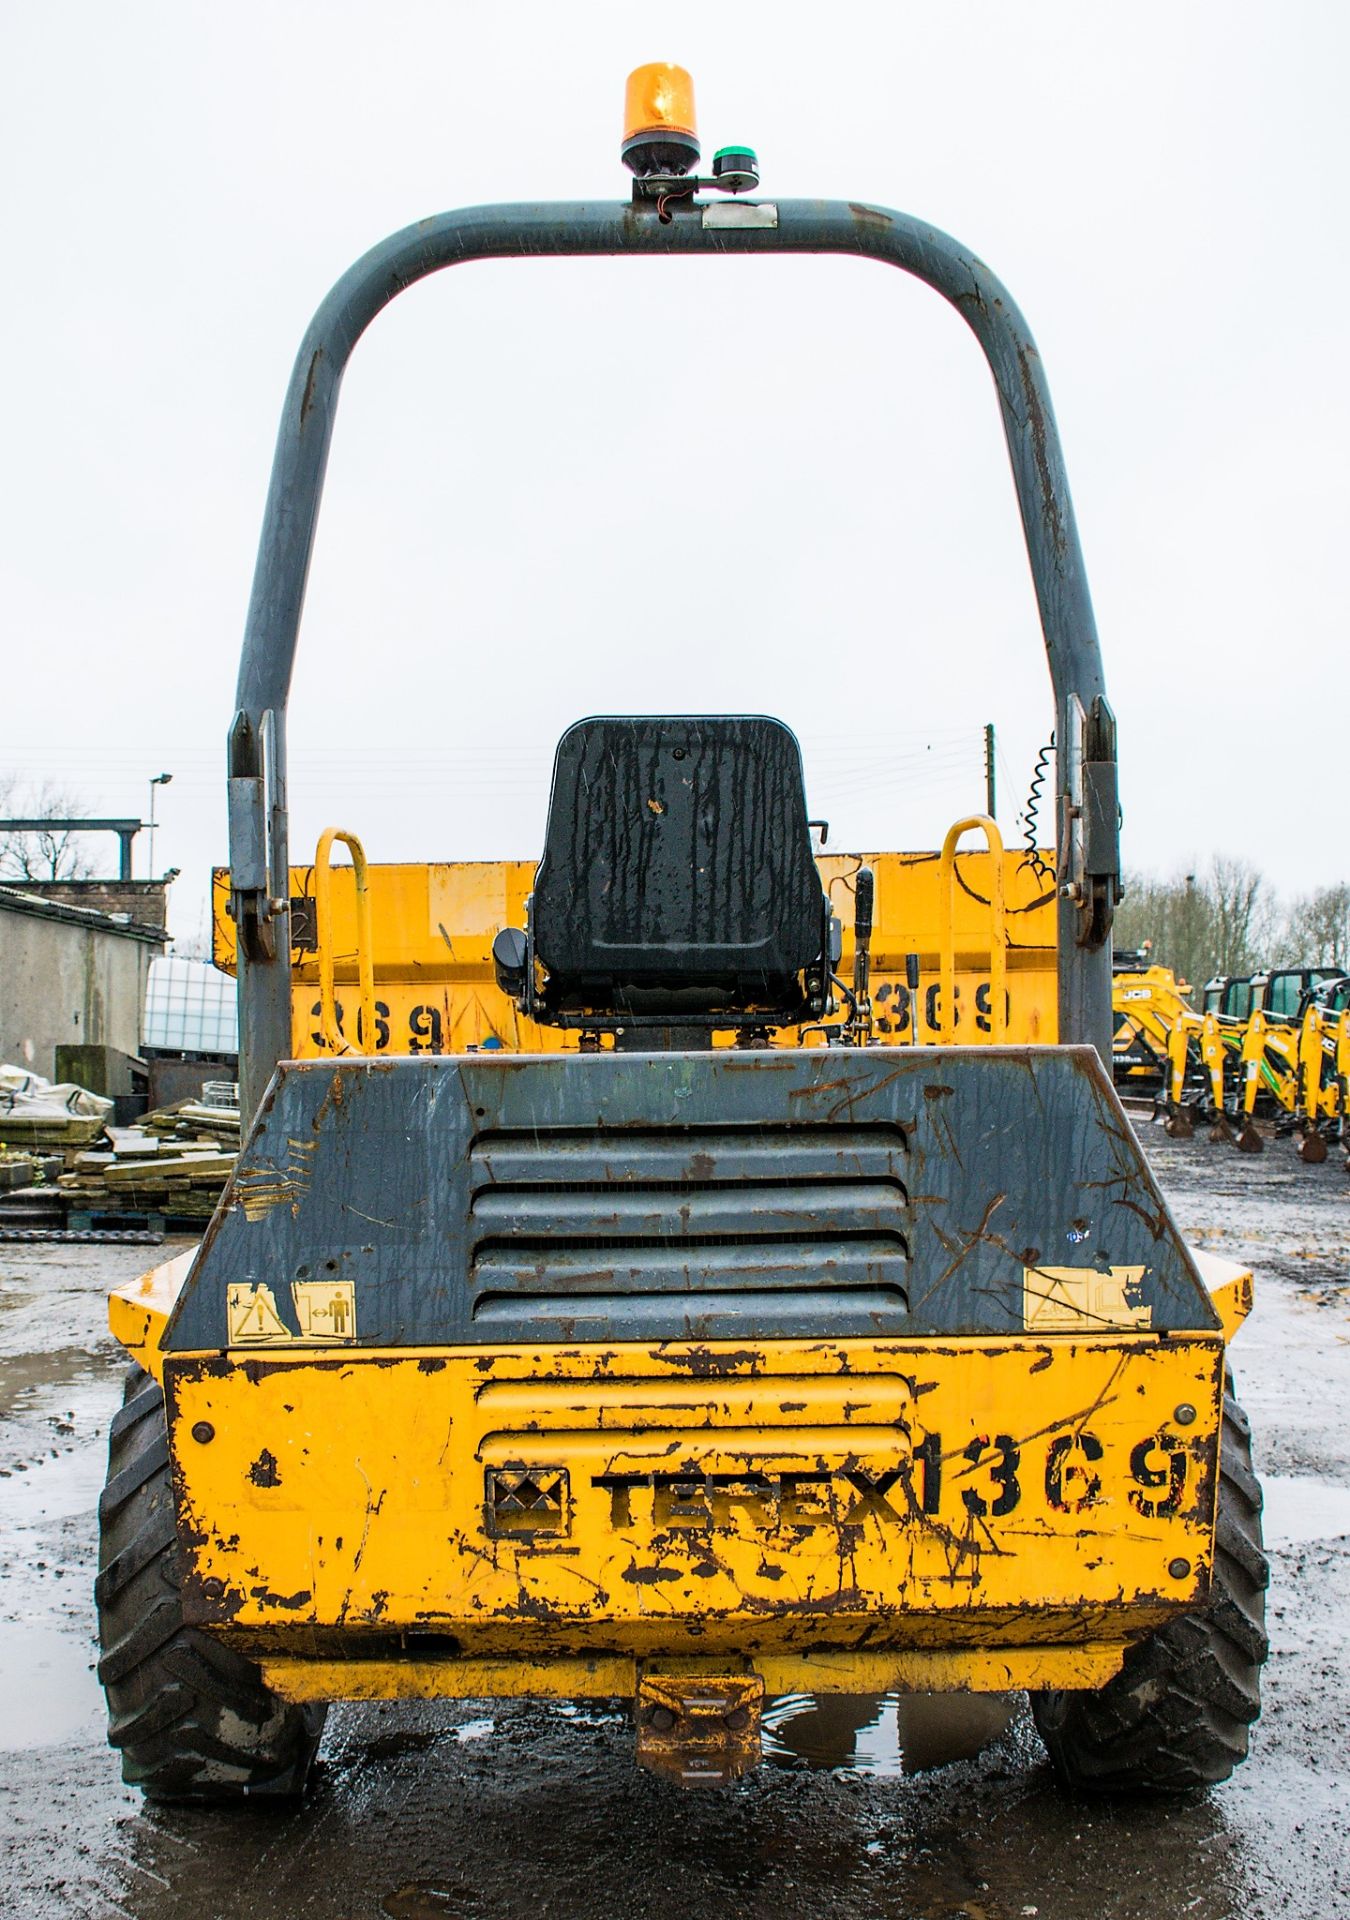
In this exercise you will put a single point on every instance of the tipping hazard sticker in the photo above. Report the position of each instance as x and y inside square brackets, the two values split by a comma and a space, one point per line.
[251, 1316]
[324, 1310]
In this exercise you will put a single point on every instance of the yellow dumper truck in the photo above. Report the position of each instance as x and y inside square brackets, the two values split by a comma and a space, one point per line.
[686, 1266]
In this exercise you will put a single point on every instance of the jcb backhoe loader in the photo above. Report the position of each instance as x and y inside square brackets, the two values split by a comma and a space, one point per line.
[1147, 1002]
[633, 1308]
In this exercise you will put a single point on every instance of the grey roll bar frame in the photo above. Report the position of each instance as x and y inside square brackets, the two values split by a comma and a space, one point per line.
[1087, 812]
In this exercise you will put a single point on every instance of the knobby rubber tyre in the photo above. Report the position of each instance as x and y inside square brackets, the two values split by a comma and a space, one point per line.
[193, 1720]
[1176, 1716]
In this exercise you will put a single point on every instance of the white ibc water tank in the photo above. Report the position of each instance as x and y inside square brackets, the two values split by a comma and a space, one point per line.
[189, 1008]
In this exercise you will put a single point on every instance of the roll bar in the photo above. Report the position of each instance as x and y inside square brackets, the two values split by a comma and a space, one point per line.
[1087, 838]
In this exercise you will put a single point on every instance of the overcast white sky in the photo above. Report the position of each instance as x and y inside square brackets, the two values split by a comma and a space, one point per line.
[1163, 187]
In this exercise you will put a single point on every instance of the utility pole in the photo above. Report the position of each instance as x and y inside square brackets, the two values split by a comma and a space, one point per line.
[989, 794]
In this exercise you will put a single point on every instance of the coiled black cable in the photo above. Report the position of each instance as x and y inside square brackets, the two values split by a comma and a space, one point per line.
[1039, 775]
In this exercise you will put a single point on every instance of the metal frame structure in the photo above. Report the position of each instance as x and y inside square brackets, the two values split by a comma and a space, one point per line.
[126, 831]
[1087, 835]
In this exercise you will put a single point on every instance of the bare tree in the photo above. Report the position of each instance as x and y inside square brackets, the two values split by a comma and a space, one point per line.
[1224, 921]
[1244, 915]
[1318, 931]
[47, 853]
[1174, 915]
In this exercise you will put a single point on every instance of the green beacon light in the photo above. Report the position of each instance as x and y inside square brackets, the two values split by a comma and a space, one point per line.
[736, 169]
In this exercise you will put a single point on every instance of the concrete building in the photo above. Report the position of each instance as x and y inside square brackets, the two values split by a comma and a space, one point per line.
[70, 976]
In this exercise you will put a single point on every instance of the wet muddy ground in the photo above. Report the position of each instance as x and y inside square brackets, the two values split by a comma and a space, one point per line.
[938, 1808]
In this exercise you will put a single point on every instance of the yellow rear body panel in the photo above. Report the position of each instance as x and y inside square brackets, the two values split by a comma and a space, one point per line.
[778, 1500]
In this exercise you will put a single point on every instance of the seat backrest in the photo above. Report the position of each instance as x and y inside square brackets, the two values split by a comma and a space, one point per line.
[678, 858]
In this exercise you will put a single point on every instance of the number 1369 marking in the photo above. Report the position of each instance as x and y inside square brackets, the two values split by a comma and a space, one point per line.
[990, 1472]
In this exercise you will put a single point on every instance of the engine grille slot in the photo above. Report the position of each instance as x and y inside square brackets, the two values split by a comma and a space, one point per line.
[659, 1267]
[698, 1228]
[623, 1404]
[573, 1156]
[847, 1313]
[691, 1212]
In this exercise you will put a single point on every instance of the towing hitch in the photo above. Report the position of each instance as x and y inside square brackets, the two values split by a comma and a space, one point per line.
[697, 1729]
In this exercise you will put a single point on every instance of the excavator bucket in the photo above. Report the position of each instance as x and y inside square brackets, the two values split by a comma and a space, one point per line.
[1311, 1146]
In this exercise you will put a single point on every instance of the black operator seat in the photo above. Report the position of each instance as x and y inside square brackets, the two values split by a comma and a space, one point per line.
[677, 875]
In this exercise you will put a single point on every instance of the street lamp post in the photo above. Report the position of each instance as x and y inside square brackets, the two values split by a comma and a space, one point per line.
[158, 780]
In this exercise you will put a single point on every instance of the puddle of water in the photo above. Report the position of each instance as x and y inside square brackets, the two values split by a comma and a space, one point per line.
[47, 1377]
[882, 1735]
[50, 1692]
[885, 1734]
[55, 1451]
[1298, 1510]
[586, 1714]
[474, 1729]
[56, 1488]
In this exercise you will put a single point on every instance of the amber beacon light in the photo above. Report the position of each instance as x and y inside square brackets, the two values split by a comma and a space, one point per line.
[660, 129]
[660, 143]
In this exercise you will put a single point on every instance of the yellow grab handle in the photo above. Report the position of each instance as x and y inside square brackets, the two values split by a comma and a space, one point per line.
[998, 949]
[323, 922]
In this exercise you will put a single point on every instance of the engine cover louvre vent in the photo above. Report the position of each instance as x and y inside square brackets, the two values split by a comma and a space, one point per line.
[739, 1194]
[588, 1227]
